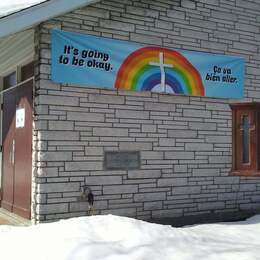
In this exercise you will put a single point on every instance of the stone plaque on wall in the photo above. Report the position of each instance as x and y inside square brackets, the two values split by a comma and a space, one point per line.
[122, 160]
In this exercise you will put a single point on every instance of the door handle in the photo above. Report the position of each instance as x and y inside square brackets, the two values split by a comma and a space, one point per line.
[10, 156]
[13, 152]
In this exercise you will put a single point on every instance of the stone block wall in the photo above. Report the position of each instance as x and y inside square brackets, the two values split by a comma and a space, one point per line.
[184, 142]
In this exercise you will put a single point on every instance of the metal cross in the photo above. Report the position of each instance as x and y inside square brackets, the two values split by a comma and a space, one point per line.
[246, 127]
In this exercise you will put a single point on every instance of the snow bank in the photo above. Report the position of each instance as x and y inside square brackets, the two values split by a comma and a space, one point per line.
[11, 6]
[119, 238]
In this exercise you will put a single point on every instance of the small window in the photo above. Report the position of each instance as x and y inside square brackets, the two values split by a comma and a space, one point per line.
[27, 71]
[10, 80]
[246, 141]
[21, 74]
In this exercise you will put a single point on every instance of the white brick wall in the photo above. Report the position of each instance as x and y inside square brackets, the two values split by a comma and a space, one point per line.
[185, 142]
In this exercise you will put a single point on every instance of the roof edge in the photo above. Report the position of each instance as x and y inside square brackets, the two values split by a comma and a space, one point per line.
[36, 14]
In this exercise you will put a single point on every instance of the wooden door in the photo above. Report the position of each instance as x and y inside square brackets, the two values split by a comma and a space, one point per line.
[17, 149]
[9, 101]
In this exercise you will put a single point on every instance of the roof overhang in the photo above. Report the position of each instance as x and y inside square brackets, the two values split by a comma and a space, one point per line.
[36, 14]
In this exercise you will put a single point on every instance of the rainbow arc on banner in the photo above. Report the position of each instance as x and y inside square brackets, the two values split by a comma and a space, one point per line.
[161, 70]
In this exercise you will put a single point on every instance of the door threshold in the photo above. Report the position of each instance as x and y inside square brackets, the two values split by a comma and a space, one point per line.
[9, 218]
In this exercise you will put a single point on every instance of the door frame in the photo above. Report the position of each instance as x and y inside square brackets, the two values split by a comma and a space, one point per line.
[17, 68]
[19, 84]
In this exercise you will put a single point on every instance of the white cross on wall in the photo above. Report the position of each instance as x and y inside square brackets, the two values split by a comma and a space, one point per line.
[162, 66]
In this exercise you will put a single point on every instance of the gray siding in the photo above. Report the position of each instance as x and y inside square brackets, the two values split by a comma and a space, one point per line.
[16, 49]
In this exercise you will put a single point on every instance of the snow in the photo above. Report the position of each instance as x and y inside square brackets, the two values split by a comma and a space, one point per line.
[119, 238]
[11, 6]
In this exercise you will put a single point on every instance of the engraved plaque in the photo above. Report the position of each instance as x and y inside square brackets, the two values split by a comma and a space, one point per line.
[122, 160]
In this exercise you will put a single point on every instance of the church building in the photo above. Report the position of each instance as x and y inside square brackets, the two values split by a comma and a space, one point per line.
[138, 108]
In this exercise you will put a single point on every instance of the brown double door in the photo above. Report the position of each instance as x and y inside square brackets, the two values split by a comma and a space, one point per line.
[17, 150]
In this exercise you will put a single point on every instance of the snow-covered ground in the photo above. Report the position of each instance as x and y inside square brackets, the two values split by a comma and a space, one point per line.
[119, 238]
[10, 6]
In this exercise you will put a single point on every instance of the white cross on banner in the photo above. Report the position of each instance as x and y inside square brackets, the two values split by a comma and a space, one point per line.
[162, 66]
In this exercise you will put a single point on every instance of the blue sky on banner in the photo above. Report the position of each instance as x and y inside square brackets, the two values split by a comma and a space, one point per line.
[195, 73]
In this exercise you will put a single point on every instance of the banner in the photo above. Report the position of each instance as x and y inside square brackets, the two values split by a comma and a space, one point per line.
[106, 63]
